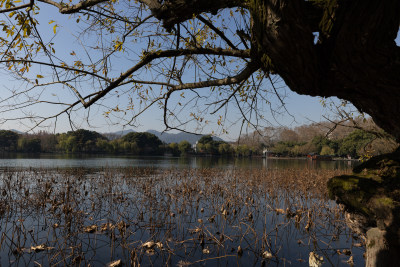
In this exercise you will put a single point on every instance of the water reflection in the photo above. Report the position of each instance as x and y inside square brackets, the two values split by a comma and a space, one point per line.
[98, 161]
[196, 217]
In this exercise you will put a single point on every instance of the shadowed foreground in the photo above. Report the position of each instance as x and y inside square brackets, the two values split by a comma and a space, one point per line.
[371, 195]
[172, 217]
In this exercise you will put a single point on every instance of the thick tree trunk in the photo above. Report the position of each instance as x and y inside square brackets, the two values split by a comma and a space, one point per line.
[356, 58]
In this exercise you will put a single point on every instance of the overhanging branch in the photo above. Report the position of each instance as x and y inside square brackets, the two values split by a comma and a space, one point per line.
[18, 7]
[55, 66]
[66, 9]
[242, 76]
[167, 53]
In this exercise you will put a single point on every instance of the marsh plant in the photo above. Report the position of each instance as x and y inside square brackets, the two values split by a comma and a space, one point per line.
[171, 217]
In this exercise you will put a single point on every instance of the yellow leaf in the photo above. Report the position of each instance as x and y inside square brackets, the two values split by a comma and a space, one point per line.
[55, 28]
[39, 76]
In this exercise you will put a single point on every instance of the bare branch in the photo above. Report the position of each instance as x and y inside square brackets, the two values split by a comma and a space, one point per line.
[242, 76]
[66, 9]
[377, 133]
[245, 74]
[216, 30]
[230, 96]
[56, 66]
[169, 53]
[18, 7]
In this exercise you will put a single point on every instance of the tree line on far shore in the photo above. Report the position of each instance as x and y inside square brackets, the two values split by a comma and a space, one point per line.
[90, 142]
[355, 138]
[281, 141]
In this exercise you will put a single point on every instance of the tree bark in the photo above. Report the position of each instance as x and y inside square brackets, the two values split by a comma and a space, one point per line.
[172, 12]
[356, 58]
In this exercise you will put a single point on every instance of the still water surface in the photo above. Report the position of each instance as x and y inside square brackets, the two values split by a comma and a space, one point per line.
[94, 161]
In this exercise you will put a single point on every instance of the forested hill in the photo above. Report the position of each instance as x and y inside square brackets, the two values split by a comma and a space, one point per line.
[163, 136]
[86, 141]
[343, 141]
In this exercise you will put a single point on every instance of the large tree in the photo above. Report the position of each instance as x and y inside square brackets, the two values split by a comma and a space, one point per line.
[342, 48]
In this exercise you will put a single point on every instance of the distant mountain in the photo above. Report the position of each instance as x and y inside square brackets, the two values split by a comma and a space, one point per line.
[16, 131]
[178, 137]
[124, 132]
[165, 137]
[118, 134]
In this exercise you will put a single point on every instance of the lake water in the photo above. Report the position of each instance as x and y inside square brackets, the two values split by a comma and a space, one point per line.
[90, 161]
[58, 210]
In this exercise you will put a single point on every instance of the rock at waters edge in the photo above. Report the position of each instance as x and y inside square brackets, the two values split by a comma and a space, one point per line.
[371, 197]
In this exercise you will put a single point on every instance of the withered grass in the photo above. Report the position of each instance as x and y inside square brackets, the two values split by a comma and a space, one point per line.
[170, 217]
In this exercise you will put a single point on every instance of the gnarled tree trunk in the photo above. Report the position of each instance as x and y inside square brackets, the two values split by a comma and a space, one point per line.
[355, 59]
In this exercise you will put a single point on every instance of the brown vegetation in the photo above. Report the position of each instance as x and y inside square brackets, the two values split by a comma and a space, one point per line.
[177, 217]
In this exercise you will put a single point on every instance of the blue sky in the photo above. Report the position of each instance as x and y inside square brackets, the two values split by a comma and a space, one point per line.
[301, 109]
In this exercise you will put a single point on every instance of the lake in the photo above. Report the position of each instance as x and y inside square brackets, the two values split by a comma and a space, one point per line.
[130, 211]
[93, 161]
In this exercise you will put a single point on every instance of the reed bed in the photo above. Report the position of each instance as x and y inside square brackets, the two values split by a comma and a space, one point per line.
[171, 217]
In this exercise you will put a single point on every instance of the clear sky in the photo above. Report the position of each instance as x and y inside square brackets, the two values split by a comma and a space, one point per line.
[301, 109]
